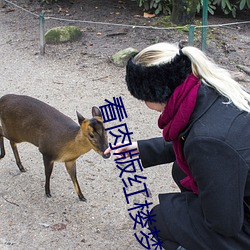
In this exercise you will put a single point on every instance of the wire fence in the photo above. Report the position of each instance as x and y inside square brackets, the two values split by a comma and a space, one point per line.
[191, 28]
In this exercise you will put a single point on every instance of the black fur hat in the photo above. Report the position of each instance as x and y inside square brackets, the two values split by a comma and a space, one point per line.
[156, 83]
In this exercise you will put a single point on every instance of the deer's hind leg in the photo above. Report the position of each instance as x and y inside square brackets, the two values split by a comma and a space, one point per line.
[1, 144]
[16, 154]
[71, 168]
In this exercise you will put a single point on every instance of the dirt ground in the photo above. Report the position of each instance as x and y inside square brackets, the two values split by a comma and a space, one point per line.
[77, 76]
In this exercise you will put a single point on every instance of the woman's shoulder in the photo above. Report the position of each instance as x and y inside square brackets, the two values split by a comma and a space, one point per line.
[215, 117]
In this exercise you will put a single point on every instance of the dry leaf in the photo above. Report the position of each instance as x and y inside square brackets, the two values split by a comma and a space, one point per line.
[147, 15]
[58, 227]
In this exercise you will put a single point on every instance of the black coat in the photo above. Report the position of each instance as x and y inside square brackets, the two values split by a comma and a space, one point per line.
[216, 145]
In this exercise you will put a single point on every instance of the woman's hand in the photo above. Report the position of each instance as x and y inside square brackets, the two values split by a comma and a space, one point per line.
[124, 152]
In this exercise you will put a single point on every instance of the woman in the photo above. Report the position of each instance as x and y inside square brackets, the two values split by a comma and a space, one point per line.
[205, 118]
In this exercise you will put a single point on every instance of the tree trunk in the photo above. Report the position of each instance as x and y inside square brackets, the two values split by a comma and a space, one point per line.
[183, 11]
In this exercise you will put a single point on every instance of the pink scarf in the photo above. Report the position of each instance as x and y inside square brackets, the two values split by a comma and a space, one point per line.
[175, 118]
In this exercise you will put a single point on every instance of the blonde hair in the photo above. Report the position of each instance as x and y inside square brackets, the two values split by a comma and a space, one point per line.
[202, 67]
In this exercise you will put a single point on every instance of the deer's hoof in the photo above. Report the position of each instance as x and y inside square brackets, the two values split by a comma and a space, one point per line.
[48, 195]
[82, 198]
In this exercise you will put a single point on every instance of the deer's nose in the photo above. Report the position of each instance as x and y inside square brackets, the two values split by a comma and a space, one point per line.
[106, 156]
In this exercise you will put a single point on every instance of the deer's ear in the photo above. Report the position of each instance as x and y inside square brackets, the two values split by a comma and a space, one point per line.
[96, 112]
[80, 118]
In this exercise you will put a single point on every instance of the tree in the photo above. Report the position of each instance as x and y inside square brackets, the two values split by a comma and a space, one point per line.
[183, 11]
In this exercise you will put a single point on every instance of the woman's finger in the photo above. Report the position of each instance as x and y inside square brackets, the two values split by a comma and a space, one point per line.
[108, 150]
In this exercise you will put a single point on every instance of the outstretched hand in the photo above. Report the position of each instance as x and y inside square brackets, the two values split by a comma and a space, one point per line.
[123, 152]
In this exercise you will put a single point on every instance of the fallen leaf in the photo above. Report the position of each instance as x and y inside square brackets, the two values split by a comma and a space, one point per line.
[147, 15]
[58, 227]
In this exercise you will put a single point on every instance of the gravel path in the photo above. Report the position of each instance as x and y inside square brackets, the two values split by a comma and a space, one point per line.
[70, 79]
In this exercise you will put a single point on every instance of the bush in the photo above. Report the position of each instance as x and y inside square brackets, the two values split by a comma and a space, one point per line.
[232, 6]
[156, 6]
[227, 6]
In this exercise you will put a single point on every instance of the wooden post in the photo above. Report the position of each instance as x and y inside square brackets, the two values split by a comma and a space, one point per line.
[42, 31]
[191, 35]
[204, 24]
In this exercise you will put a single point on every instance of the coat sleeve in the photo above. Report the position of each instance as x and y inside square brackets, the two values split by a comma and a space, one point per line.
[155, 151]
[220, 173]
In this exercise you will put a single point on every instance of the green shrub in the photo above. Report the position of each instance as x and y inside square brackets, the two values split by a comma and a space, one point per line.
[165, 6]
[157, 6]
[211, 7]
[232, 6]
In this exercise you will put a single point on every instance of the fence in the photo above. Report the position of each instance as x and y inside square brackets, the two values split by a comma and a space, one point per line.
[191, 28]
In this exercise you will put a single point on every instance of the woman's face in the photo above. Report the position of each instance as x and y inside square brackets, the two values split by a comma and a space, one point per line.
[156, 106]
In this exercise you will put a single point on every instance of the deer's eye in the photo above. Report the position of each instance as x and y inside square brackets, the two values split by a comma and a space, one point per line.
[91, 136]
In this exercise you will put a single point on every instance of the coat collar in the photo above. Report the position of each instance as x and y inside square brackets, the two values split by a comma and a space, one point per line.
[205, 99]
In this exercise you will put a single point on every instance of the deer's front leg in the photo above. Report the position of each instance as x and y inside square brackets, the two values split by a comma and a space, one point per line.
[48, 165]
[71, 168]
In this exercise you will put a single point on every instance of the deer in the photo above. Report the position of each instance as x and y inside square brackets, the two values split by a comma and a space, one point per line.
[58, 138]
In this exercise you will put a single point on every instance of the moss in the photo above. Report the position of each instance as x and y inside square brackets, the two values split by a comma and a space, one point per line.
[63, 34]
[163, 22]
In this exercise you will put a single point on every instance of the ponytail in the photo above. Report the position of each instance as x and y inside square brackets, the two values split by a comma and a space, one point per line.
[218, 78]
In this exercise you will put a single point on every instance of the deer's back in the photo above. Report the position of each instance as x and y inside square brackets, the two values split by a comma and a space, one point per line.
[24, 118]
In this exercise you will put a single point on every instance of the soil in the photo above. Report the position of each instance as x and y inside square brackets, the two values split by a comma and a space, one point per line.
[77, 76]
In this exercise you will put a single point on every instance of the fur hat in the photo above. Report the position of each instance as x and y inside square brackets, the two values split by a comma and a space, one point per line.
[156, 83]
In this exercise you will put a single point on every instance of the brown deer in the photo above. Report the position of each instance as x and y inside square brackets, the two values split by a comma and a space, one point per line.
[59, 138]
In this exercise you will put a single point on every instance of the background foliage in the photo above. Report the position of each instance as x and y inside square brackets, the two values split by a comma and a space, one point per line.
[227, 6]
[165, 6]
